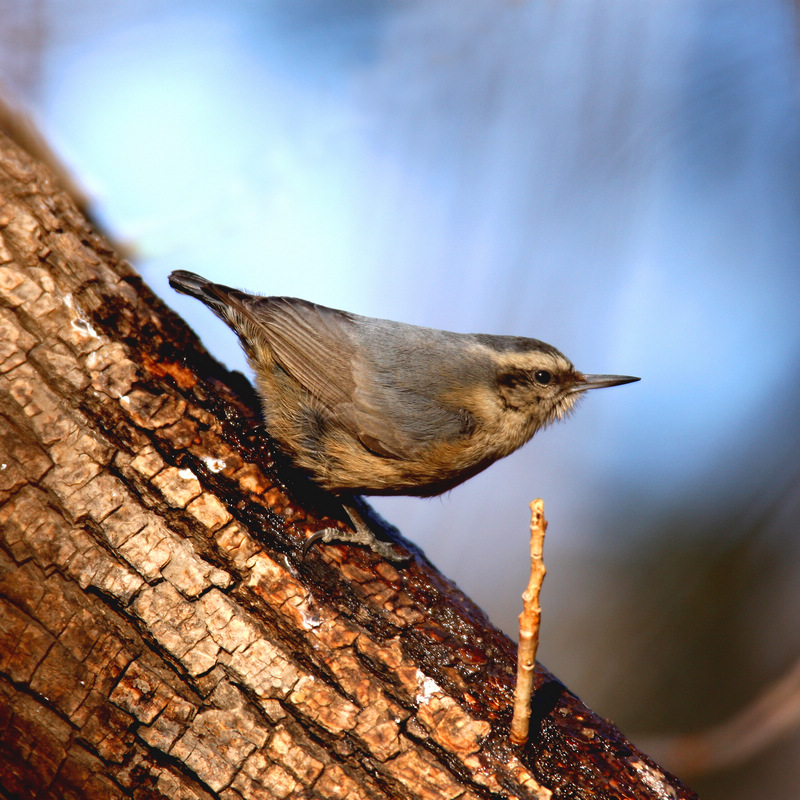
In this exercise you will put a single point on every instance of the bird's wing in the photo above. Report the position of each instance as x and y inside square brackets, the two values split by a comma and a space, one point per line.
[310, 342]
[326, 352]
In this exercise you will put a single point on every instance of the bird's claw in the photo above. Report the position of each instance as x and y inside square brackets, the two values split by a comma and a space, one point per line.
[319, 536]
[360, 535]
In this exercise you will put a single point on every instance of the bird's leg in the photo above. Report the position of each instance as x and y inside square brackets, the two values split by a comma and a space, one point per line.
[360, 533]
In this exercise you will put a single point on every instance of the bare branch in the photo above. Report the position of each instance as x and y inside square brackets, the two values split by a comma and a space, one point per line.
[529, 627]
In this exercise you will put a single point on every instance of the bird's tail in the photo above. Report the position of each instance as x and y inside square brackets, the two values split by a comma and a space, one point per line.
[193, 285]
[214, 295]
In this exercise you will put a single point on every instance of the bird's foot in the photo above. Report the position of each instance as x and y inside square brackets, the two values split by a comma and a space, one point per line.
[359, 534]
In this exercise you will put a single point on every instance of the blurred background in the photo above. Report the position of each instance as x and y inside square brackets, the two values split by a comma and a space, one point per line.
[618, 178]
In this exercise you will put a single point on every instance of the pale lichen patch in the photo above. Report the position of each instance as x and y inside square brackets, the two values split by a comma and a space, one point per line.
[179, 486]
[214, 464]
[427, 689]
[80, 330]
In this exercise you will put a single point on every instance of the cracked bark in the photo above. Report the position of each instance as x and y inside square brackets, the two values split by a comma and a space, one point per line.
[159, 636]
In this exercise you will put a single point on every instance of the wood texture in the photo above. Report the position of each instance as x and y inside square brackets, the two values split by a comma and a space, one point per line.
[159, 636]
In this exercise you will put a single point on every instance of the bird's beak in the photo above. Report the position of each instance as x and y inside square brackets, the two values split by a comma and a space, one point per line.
[584, 382]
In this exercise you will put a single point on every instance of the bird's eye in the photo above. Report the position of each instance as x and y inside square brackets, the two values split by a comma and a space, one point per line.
[542, 376]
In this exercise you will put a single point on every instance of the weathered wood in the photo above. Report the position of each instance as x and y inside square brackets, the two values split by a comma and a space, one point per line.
[159, 636]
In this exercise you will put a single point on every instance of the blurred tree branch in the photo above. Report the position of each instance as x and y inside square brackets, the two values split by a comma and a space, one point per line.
[774, 713]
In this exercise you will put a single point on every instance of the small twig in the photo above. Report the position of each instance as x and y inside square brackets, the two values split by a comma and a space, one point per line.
[529, 628]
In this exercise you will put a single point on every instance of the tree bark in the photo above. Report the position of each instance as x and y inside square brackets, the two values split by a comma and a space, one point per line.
[160, 635]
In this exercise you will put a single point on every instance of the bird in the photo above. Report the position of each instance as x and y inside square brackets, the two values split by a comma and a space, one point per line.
[376, 407]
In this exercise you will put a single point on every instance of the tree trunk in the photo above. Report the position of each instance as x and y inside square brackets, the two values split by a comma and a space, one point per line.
[160, 635]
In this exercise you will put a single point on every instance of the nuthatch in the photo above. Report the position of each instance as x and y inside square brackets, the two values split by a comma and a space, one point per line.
[369, 406]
